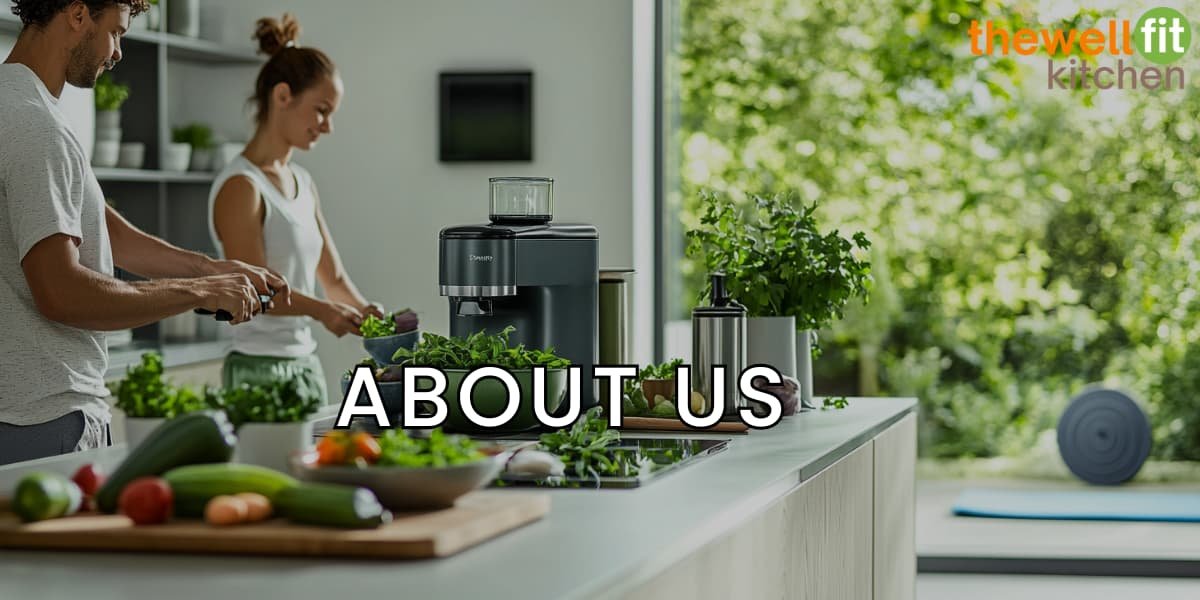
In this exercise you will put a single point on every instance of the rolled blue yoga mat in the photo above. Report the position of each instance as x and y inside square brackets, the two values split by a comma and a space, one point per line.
[1082, 505]
[1104, 437]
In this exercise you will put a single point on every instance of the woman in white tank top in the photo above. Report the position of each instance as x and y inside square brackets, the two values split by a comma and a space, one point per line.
[264, 210]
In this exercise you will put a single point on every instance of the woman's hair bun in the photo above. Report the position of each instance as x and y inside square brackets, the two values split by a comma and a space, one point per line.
[274, 35]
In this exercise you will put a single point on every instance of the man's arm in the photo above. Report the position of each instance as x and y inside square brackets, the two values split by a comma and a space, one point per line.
[143, 254]
[69, 293]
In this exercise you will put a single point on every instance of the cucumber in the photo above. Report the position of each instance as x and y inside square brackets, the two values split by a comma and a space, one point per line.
[331, 505]
[40, 496]
[195, 438]
[195, 485]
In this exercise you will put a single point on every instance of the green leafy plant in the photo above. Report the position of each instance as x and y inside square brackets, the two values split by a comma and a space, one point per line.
[281, 401]
[660, 371]
[398, 449]
[143, 393]
[476, 350]
[198, 135]
[373, 327]
[585, 449]
[110, 95]
[778, 262]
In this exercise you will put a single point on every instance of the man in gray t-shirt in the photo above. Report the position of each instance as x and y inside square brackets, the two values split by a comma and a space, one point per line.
[59, 242]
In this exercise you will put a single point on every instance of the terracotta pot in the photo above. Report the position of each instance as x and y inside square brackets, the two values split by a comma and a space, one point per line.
[659, 387]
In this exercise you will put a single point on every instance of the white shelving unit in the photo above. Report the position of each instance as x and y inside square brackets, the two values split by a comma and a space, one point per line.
[168, 204]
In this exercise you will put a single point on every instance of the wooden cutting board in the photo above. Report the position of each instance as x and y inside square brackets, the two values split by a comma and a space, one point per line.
[476, 517]
[655, 424]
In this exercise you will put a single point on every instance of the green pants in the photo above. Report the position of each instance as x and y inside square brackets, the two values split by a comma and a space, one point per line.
[246, 368]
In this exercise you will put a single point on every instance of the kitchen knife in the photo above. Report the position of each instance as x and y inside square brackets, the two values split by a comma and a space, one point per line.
[224, 315]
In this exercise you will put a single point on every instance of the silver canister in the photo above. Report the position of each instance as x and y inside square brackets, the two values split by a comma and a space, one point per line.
[719, 339]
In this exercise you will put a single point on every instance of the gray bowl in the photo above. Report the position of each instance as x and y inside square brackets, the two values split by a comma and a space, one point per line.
[382, 348]
[406, 488]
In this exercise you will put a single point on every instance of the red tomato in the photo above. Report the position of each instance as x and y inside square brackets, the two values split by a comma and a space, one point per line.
[89, 478]
[147, 501]
[331, 451]
[366, 447]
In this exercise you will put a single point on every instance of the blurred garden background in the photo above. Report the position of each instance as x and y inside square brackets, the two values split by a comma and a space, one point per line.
[1026, 241]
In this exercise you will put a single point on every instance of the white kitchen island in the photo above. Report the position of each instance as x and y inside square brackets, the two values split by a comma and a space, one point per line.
[819, 507]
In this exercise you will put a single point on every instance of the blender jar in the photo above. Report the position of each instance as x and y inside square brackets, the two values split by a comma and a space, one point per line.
[521, 199]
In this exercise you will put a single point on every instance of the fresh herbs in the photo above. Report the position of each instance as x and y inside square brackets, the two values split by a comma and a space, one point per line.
[398, 449]
[144, 394]
[373, 327]
[476, 350]
[281, 401]
[838, 403]
[660, 371]
[778, 261]
[197, 135]
[586, 452]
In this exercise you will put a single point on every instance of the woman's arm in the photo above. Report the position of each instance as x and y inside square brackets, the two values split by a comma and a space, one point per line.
[238, 214]
[332, 273]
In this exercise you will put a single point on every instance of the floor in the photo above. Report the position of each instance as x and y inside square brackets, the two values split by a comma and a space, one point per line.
[936, 586]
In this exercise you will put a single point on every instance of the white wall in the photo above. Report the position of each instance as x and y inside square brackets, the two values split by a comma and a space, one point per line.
[384, 193]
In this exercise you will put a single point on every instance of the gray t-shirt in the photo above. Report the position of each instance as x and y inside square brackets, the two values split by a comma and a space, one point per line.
[47, 369]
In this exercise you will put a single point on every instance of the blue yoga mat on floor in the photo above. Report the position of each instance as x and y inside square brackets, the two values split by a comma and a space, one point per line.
[1082, 505]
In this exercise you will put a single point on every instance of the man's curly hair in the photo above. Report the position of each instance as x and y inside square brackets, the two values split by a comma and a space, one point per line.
[39, 13]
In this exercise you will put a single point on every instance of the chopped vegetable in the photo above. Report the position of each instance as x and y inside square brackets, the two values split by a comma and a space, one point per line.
[89, 478]
[406, 320]
[365, 447]
[40, 496]
[223, 511]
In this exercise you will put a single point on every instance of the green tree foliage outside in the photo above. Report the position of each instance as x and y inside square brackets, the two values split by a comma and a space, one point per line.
[1027, 241]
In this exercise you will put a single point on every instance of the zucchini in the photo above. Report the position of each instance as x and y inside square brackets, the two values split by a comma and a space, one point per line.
[195, 438]
[40, 496]
[331, 505]
[195, 485]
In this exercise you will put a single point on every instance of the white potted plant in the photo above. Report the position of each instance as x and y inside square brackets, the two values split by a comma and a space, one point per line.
[109, 96]
[147, 400]
[199, 137]
[183, 17]
[790, 276]
[273, 420]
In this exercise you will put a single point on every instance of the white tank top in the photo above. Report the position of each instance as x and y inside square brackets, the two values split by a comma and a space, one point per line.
[293, 246]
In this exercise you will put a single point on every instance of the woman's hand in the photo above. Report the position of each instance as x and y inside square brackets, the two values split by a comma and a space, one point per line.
[373, 308]
[340, 319]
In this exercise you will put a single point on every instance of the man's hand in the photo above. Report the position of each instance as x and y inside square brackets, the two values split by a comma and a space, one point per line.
[340, 319]
[232, 292]
[264, 280]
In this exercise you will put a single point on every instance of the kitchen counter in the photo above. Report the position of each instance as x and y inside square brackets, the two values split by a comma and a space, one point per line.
[593, 544]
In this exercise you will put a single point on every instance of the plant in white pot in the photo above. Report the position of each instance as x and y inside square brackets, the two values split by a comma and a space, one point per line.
[109, 96]
[273, 420]
[199, 138]
[790, 276]
[147, 400]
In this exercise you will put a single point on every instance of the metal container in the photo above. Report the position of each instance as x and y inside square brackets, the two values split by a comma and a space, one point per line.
[615, 322]
[719, 339]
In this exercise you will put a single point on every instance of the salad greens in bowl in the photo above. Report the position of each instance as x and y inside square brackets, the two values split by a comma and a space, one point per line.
[405, 472]
[383, 337]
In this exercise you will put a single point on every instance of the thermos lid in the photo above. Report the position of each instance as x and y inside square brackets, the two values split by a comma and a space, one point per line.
[722, 304]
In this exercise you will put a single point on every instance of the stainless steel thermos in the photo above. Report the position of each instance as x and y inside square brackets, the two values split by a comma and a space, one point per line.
[719, 339]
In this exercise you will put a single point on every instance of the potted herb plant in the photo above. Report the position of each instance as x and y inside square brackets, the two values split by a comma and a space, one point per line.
[458, 356]
[199, 137]
[147, 400]
[791, 276]
[659, 380]
[273, 420]
[109, 96]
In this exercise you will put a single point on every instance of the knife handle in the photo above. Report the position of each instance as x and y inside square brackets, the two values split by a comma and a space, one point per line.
[224, 315]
